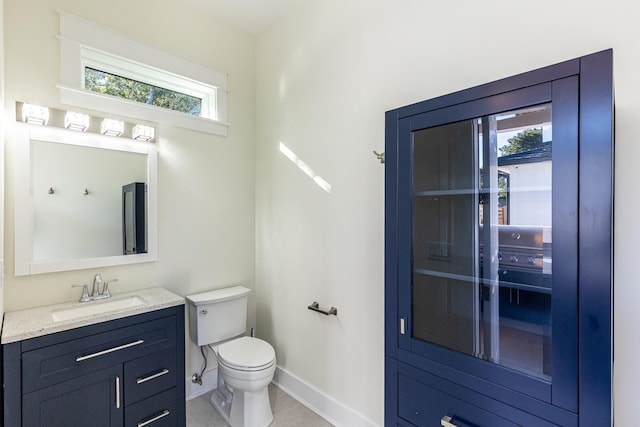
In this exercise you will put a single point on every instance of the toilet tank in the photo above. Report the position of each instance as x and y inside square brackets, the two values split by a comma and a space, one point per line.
[217, 315]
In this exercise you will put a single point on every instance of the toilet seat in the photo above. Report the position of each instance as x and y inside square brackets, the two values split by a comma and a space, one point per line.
[247, 354]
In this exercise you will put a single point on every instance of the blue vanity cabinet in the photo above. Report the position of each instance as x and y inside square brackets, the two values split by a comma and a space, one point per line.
[498, 252]
[84, 401]
[128, 371]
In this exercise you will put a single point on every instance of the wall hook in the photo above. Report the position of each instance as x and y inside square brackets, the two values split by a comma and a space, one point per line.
[380, 156]
[86, 192]
[51, 190]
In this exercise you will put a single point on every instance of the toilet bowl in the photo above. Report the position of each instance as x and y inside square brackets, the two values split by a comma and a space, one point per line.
[246, 365]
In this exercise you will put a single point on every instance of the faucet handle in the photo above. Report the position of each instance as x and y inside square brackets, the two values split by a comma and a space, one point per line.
[85, 292]
[105, 289]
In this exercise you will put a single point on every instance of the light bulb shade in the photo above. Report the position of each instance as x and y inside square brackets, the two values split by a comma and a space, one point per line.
[35, 114]
[112, 127]
[143, 133]
[76, 121]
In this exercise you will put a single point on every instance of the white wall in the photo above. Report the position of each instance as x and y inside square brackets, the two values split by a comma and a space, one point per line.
[205, 182]
[325, 74]
[530, 198]
[2, 126]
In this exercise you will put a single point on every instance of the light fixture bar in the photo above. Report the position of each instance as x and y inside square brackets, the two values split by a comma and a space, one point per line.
[76, 121]
[112, 127]
[143, 133]
[35, 114]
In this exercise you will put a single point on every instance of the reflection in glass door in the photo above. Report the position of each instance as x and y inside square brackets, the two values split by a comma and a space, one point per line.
[482, 238]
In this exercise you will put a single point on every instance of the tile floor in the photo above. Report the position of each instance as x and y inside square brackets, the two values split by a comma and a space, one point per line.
[287, 412]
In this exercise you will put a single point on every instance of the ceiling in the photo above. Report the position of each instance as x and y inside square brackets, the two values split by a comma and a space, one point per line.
[252, 16]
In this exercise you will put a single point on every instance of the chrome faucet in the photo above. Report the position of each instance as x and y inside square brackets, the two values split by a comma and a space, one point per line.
[96, 293]
[97, 281]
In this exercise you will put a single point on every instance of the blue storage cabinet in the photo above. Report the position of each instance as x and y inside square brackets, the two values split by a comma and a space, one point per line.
[498, 252]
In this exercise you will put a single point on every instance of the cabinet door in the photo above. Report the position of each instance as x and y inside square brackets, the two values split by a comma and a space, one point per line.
[92, 400]
[486, 193]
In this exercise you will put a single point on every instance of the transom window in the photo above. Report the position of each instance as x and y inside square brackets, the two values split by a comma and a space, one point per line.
[110, 72]
[122, 87]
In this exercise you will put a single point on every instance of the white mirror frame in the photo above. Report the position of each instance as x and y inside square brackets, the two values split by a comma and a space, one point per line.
[24, 263]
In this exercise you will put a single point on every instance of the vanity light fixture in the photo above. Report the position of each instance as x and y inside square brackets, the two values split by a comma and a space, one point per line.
[112, 127]
[143, 133]
[76, 121]
[35, 114]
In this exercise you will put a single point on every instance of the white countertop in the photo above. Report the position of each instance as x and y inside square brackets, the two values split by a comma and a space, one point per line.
[34, 322]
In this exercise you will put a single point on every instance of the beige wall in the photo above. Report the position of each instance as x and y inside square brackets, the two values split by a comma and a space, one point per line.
[205, 182]
[325, 74]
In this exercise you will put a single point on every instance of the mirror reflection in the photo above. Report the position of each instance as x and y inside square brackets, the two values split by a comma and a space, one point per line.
[77, 199]
[70, 200]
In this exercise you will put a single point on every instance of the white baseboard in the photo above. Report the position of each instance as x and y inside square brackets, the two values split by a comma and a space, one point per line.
[322, 404]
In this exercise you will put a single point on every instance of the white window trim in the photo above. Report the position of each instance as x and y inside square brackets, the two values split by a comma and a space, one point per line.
[83, 43]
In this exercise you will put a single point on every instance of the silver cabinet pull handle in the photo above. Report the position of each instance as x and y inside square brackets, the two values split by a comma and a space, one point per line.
[447, 421]
[151, 377]
[117, 392]
[111, 350]
[154, 419]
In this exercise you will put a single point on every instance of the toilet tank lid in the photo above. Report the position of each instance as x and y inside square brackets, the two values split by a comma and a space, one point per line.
[218, 295]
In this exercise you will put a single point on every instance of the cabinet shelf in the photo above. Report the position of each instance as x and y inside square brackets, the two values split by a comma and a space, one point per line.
[444, 275]
[435, 193]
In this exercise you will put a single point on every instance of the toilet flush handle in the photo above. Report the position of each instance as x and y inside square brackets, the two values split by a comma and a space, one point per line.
[204, 311]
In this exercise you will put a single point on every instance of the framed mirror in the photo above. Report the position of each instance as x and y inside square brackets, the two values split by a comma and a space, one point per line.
[69, 211]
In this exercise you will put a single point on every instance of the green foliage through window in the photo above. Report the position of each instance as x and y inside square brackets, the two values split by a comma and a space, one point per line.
[111, 84]
[523, 141]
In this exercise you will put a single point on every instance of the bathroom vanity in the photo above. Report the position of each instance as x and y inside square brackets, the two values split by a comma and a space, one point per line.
[78, 365]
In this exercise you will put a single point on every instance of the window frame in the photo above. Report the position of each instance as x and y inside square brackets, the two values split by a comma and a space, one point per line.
[85, 44]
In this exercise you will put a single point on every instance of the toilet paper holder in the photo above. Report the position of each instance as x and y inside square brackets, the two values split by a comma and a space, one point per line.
[316, 307]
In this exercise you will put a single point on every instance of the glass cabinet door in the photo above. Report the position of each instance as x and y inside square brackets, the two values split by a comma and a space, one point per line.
[490, 200]
[482, 237]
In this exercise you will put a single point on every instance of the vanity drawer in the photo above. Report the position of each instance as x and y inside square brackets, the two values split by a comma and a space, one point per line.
[60, 362]
[157, 411]
[149, 375]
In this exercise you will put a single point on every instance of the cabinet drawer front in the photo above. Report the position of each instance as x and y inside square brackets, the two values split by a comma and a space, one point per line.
[160, 410]
[60, 362]
[423, 405]
[425, 398]
[149, 375]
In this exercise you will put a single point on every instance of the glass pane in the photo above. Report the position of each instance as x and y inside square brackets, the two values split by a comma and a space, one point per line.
[445, 285]
[522, 216]
[122, 87]
[481, 239]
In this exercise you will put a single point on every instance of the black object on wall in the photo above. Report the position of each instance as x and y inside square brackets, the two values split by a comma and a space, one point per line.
[134, 218]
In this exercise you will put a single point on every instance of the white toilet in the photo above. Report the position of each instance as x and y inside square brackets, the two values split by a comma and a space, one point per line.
[246, 365]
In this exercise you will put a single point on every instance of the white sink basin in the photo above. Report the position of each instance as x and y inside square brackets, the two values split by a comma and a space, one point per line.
[96, 307]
